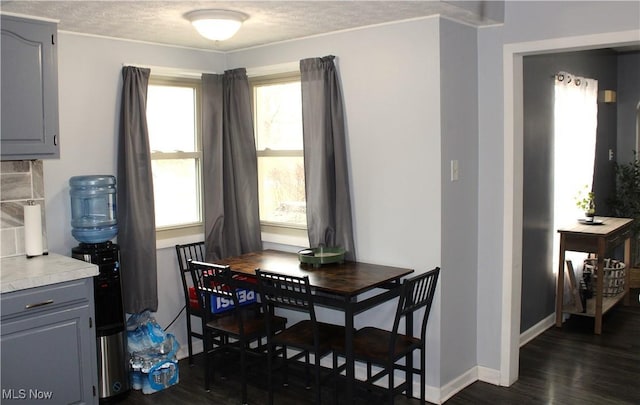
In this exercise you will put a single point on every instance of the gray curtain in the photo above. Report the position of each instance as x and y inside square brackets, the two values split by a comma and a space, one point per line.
[230, 175]
[136, 214]
[329, 218]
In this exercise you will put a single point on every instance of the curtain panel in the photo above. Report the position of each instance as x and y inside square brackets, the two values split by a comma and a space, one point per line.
[136, 215]
[575, 122]
[230, 173]
[329, 218]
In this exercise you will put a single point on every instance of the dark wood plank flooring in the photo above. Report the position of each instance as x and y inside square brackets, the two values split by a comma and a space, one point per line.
[568, 365]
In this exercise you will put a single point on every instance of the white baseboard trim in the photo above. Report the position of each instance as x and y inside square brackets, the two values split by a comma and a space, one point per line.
[537, 329]
[489, 375]
[478, 373]
[457, 385]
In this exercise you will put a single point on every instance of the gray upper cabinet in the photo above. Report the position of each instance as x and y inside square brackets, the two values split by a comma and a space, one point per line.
[29, 89]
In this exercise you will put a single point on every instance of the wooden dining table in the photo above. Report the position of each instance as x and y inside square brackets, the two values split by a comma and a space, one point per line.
[337, 285]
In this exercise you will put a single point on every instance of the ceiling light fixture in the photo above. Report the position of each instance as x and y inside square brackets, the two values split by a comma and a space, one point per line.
[216, 25]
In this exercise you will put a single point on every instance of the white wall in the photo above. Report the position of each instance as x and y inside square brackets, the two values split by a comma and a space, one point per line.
[391, 84]
[390, 81]
[390, 78]
[538, 20]
[459, 215]
[89, 80]
[490, 190]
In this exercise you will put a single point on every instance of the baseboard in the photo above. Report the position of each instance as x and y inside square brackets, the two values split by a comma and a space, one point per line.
[453, 387]
[489, 375]
[537, 329]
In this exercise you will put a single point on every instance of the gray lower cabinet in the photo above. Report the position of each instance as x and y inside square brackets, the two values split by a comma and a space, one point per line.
[29, 89]
[48, 343]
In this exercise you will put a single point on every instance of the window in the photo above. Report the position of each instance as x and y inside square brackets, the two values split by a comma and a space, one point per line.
[173, 119]
[277, 110]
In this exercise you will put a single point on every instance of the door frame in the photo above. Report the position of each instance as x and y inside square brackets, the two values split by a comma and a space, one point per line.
[513, 178]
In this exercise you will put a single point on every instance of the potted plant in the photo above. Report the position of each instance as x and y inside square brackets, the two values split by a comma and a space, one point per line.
[626, 201]
[585, 200]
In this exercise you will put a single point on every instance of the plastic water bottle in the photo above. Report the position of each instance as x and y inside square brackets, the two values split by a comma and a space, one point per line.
[93, 208]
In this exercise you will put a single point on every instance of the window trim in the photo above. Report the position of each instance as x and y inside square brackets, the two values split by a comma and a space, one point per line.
[196, 228]
[278, 230]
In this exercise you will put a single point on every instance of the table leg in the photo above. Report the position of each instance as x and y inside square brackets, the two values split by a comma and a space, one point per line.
[627, 276]
[348, 347]
[560, 283]
[599, 286]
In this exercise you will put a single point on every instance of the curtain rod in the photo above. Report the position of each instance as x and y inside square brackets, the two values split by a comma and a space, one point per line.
[560, 76]
[170, 71]
[191, 73]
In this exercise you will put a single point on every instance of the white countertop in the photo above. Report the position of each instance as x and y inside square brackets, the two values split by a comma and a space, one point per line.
[19, 273]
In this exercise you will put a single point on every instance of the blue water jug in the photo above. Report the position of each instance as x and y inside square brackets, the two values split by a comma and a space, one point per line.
[93, 208]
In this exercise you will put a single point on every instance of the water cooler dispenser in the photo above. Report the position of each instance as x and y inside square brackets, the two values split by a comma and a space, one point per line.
[94, 224]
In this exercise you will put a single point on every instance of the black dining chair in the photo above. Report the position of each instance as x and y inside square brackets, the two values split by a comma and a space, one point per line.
[191, 251]
[309, 336]
[384, 348]
[242, 324]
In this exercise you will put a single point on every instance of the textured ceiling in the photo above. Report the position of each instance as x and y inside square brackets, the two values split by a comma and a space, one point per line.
[269, 21]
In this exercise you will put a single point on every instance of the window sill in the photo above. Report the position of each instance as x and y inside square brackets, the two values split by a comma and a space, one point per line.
[180, 240]
[267, 237]
[289, 240]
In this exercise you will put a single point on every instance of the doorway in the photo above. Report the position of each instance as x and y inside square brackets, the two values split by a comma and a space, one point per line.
[555, 172]
[513, 180]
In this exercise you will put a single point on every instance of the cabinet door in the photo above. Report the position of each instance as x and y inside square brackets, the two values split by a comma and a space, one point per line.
[29, 88]
[44, 356]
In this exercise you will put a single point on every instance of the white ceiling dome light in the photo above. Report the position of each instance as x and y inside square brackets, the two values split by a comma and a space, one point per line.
[216, 25]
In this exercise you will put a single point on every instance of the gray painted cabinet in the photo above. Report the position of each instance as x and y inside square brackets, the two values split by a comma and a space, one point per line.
[29, 89]
[48, 345]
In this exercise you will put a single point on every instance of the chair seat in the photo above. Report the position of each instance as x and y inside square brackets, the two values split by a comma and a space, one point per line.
[255, 323]
[372, 344]
[300, 335]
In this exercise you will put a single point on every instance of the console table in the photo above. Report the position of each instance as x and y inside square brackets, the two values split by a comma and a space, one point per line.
[599, 239]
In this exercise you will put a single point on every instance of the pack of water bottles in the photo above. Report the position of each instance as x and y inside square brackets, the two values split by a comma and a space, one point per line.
[153, 365]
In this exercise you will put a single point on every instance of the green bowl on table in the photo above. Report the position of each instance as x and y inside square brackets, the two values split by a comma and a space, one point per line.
[321, 255]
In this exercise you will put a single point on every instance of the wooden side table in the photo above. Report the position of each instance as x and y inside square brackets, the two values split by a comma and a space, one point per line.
[598, 239]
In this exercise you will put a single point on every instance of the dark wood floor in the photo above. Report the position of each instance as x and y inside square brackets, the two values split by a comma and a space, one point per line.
[568, 365]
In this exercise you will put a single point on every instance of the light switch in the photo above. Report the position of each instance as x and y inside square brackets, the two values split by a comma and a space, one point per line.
[454, 170]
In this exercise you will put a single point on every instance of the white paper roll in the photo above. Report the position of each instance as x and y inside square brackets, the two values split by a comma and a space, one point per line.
[32, 230]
